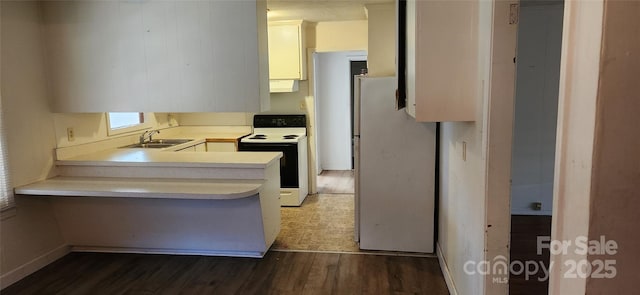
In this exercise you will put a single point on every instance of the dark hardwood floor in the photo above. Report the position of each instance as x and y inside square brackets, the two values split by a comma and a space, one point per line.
[524, 232]
[277, 273]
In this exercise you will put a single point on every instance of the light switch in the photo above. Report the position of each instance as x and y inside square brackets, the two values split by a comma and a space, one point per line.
[464, 151]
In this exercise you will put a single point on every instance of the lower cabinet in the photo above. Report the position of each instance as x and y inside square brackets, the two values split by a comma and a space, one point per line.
[215, 146]
[222, 146]
[201, 147]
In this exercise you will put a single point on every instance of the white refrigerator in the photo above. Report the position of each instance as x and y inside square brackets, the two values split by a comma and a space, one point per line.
[394, 171]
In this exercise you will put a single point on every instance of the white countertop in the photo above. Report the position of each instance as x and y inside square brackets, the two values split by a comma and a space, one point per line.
[196, 133]
[168, 157]
[193, 189]
[160, 158]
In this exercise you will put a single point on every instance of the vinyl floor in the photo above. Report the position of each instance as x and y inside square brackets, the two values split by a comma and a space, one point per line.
[324, 222]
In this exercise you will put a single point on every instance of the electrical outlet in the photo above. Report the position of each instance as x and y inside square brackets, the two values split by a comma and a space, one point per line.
[70, 134]
[537, 206]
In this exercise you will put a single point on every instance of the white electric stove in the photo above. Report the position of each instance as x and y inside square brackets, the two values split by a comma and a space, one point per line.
[287, 134]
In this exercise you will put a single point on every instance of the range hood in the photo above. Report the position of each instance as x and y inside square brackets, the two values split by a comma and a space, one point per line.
[277, 86]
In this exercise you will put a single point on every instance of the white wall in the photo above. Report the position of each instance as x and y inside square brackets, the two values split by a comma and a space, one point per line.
[538, 76]
[474, 210]
[462, 189]
[215, 119]
[339, 36]
[334, 108]
[29, 235]
[92, 127]
[382, 39]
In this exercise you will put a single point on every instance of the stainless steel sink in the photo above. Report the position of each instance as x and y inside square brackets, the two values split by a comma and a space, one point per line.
[149, 145]
[157, 143]
[169, 141]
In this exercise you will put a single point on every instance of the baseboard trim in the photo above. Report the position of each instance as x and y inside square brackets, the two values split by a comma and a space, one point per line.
[531, 212]
[362, 252]
[94, 249]
[445, 271]
[32, 266]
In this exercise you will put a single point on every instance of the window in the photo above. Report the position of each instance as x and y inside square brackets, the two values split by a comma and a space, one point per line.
[6, 199]
[125, 122]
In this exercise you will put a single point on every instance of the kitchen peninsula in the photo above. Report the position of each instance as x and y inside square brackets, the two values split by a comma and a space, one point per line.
[163, 201]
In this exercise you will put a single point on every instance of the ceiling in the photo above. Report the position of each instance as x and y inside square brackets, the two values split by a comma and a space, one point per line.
[319, 10]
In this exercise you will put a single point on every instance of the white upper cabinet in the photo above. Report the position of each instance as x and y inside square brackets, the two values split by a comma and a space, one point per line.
[441, 60]
[157, 56]
[287, 53]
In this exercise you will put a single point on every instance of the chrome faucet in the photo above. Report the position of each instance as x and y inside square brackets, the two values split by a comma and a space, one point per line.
[148, 134]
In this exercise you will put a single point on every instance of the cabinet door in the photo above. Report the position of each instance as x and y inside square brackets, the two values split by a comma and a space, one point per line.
[286, 56]
[221, 147]
[156, 56]
[188, 149]
[86, 63]
[200, 147]
[410, 45]
[442, 59]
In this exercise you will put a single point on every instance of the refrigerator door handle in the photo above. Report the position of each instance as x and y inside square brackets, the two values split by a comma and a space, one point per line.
[356, 186]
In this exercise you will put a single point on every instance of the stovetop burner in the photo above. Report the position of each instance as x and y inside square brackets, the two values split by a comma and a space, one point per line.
[277, 129]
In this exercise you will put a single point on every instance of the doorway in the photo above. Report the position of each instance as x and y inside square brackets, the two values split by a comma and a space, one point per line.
[334, 108]
[539, 45]
[325, 221]
[342, 181]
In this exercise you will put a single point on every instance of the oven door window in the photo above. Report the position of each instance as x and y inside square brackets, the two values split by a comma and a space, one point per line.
[288, 162]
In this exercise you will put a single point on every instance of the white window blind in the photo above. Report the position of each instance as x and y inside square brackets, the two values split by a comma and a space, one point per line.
[6, 199]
